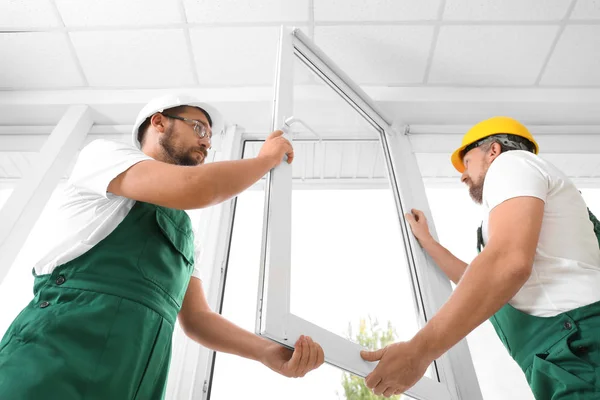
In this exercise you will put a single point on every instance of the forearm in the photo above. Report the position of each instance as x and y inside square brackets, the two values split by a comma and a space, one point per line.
[215, 332]
[187, 188]
[453, 267]
[487, 284]
[227, 179]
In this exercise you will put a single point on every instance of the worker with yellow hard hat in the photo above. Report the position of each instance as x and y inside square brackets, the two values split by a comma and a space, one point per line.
[536, 278]
[120, 268]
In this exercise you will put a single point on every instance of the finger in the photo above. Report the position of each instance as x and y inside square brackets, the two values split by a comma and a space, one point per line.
[420, 215]
[371, 355]
[373, 379]
[388, 392]
[296, 356]
[301, 359]
[399, 391]
[313, 356]
[378, 389]
[275, 134]
[321, 355]
[286, 146]
[305, 358]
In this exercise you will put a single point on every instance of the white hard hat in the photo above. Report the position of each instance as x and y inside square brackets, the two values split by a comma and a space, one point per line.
[175, 100]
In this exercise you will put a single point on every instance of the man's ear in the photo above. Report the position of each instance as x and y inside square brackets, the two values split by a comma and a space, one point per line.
[158, 121]
[495, 151]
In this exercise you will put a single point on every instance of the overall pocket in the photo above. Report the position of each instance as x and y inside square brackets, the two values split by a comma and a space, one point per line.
[168, 256]
[561, 372]
[152, 383]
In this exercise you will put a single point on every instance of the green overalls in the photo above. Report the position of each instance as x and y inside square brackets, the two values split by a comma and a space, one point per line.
[560, 355]
[100, 326]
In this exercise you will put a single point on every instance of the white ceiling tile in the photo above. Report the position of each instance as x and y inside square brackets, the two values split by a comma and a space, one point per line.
[228, 11]
[141, 58]
[375, 10]
[586, 9]
[491, 55]
[37, 60]
[235, 56]
[576, 58]
[78, 13]
[28, 14]
[385, 55]
[505, 10]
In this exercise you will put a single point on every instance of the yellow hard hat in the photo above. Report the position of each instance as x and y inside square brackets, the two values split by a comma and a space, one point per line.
[489, 127]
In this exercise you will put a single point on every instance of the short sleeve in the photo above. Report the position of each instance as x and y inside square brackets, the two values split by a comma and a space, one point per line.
[513, 175]
[100, 162]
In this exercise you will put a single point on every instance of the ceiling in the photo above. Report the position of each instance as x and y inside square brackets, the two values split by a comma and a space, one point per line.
[69, 44]
[436, 65]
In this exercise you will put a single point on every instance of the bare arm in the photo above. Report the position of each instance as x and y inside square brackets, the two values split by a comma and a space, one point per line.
[201, 186]
[187, 188]
[210, 329]
[493, 277]
[452, 266]
[488, 283]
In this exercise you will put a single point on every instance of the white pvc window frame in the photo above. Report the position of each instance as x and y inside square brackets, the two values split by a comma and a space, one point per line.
[454, 373]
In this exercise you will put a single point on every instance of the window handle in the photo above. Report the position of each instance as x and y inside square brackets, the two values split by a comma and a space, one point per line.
[287, 126]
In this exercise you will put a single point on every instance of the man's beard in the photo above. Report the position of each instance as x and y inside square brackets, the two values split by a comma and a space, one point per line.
[176, 154]
[476, 189]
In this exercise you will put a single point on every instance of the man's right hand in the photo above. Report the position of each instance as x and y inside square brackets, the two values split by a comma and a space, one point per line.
[452, 266]
[418, 225]
[275, 148]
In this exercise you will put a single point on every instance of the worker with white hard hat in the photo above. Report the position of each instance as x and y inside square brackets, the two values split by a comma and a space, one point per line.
[121, 267]
[537, 277]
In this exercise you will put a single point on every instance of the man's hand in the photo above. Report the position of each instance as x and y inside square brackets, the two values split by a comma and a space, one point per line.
[400, 366]
[306, 356]
[275, 148]
[418, 225]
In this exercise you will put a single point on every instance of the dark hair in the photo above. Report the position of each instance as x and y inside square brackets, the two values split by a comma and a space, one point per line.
[506, 141]
[173, 111]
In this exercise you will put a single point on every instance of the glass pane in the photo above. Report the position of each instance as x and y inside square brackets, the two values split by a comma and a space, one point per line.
[456, 219]
[335, 119]
[349, 266]
[348, 263]
[235, 377]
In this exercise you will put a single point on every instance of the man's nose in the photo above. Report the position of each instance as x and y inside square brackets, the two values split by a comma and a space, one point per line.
[464, 177]
[204, 142]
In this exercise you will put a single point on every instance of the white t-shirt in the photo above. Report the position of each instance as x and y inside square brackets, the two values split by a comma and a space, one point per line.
[566, 267]
[88, 213]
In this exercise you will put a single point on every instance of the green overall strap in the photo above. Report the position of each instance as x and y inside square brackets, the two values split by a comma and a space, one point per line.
[596, 225]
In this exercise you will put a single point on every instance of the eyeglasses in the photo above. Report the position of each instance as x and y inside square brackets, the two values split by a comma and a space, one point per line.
[199, 126]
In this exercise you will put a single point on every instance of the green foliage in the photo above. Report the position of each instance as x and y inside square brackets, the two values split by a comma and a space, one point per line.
[373, 337]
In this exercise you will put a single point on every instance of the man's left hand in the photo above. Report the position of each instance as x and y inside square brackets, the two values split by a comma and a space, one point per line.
[306, 356]
[400, 366]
